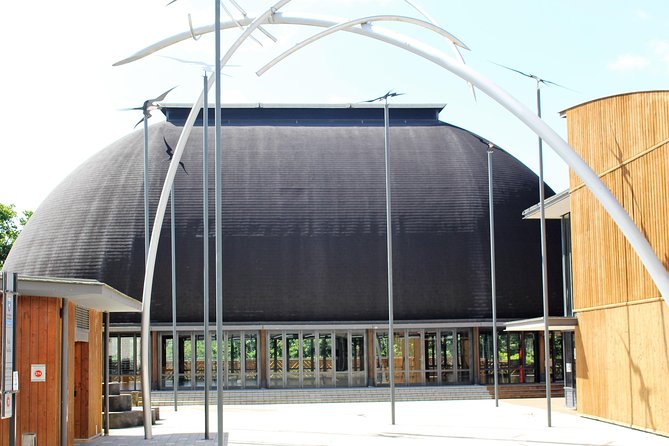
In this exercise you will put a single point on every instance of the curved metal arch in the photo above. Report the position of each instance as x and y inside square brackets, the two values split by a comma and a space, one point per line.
[365, 21]
[455, 49]
[160, 215]
[278, 18]
[589, 177]
[627, 226]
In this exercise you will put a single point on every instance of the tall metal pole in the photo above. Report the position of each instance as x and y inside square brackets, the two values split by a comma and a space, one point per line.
[146, 188]
[175, 340]
[64, 371]
[219, 235]
[493, 286]
[205, 250]
[544, 264]
[389, 255]
[160, 214]
[145, 332]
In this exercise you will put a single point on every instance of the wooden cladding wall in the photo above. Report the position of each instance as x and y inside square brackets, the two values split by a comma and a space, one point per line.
[609, 131]
[622, 358]
[38, 342]
[87, 381]
[626, 140]
[623, 324]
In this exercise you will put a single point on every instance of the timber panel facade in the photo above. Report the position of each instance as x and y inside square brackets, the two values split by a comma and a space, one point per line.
[623, 325]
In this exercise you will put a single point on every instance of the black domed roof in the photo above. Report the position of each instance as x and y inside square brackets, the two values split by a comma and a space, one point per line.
[304, 221]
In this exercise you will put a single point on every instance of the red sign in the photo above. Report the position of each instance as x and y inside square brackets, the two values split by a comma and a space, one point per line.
[38, 372]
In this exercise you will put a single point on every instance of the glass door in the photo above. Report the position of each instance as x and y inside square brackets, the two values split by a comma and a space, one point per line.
[309, 360]
[275, 351]
[431, 363]
[447, 364]
[415, 358]
[325, 375]
[251, 362]
[358, 373]
[341, 355]
[529, 358]
[234, 360]
[399, 349]
[185, 366]
[294, 368]
[199, 361]
[464, 354]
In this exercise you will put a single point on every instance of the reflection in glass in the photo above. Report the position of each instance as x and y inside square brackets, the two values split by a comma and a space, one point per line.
[400, 358]
[358, 375]
[447, 372]
[251, 361]
[415, 358]
[341, 352]
[325, 360]
[233, 357]
[293, 351]
[381, 359]
[431, 351]
[309, 360]
[464, 357]
[276, 360]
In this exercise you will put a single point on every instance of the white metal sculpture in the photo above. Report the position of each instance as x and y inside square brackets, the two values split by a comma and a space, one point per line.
[589, 177]
[160, 214]
[639, 243]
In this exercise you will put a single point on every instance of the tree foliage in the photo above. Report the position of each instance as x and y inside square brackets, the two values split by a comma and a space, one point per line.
[11, 225]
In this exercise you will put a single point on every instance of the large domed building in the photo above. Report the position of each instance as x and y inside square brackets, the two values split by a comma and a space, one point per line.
[304, 248]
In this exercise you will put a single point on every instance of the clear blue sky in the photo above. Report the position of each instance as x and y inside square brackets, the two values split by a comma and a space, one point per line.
[57, 71]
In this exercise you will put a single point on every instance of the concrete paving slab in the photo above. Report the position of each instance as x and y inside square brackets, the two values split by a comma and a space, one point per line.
[471, 422]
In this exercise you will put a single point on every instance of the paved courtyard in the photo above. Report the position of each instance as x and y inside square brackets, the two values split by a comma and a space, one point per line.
[471, 422]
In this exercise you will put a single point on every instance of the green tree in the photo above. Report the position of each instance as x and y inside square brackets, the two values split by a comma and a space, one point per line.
[11, 225]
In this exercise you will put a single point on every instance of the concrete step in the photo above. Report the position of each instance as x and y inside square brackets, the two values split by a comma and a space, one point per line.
[114, 388]
[132, 418]
[120, 403]
[355, 394]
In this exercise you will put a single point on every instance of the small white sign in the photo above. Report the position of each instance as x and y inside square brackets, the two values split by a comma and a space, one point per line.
[38, 373]
[15, 383]
[8, 405]
[568, 368]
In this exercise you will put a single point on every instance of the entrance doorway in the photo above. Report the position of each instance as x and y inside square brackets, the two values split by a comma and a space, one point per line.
[240, 360]
[518, 358]
[425, 357]
[303, 359]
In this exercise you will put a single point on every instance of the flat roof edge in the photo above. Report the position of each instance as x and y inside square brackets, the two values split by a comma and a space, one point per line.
[563, 113]
[554, 207]
[439, 106]
[86, 293]
[555, 323]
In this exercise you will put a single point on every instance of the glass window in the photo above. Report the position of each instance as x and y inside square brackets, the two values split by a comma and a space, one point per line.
[251, 364]
[113, 358]
[447, 365]
[293, 351]
[309, 359]
[381, 355]
[464, 357]
[415, 358]
[341, 362]
[275, 350]
[325, 360]
[431, 352]
[234, 359]
[358, 375]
